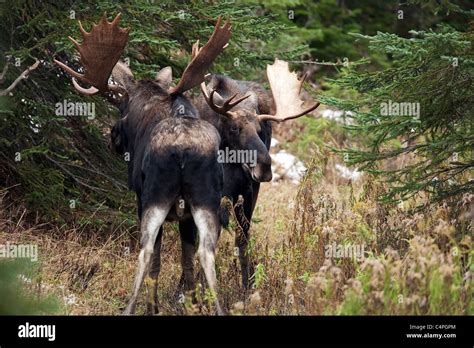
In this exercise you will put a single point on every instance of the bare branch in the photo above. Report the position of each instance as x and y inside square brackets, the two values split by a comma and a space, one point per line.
[23, 76]
[5, 69]
[74, 177]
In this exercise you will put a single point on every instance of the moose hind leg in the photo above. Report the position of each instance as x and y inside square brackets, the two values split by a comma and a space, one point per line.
[152, 303]
[208, 225]
[188, 234]
[153, 218]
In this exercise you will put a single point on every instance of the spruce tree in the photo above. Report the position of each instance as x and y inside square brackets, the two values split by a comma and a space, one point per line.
[432, 70]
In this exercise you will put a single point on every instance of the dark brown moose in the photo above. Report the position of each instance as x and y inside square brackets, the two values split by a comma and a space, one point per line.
[245, 124]
[173, 169]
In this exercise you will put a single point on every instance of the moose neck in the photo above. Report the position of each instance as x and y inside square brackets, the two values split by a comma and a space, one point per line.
[148, 105]
[182, 107]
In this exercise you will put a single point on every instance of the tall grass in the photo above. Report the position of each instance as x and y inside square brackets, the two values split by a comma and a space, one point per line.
[411, 263]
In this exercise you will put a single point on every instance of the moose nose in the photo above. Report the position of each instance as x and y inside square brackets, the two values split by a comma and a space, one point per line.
[262, 173]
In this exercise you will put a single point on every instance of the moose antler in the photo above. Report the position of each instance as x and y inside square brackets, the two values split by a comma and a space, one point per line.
[202, 58]
[286, 90]
[100, 50]
[226, 106]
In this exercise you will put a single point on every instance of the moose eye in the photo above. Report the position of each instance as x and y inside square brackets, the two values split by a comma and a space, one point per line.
[234, 129]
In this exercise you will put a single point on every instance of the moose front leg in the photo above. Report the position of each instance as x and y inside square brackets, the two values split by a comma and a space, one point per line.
[243, 214]
[241, 243]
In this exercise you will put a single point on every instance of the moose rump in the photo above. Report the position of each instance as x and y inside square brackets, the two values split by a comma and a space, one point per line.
[182, 152]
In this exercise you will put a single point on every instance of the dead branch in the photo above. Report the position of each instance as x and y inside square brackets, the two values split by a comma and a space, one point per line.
[75, 178]
[4, 71]
[22, 76]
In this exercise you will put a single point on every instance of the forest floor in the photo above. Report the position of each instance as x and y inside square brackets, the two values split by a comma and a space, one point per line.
[95, 277]
[324, 246]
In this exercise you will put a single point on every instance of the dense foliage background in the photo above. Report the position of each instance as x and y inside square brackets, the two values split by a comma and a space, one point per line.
[57, 174]
[68, 156]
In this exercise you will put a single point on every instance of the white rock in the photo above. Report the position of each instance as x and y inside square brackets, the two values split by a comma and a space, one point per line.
[337, 115]
[274, 142]
[347, 173]
[287, 166]
[332, 114]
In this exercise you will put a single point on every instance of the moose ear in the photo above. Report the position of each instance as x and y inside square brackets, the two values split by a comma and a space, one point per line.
[218, 100]
[164, 77]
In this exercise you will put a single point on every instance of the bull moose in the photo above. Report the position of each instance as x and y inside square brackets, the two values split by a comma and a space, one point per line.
[173, 169]
[245, 124]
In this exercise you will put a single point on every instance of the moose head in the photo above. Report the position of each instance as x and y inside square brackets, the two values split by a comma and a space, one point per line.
[241, 121]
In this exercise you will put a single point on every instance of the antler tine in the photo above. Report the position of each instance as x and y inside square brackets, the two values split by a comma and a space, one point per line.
[226, 106]
[229, 104]
[99, 52]
[116, 19]
[264, 117]
[69, 70]
[86, 91]
[81, 28]
[202, 58]
[215, 106]
[195, 49]
[286, 88]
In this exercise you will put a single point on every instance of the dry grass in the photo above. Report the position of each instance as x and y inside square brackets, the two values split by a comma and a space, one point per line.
[412, 264]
